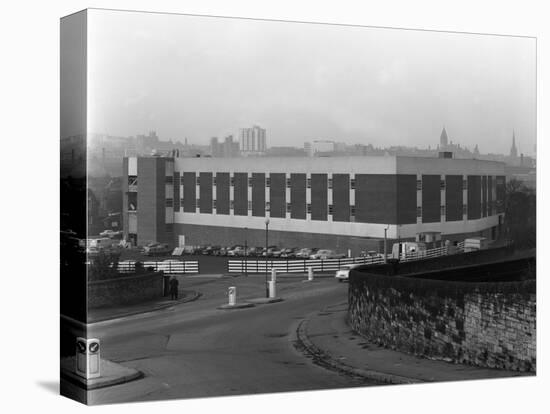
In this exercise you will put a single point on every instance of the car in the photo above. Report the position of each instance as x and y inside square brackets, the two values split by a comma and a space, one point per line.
[277, 252]
[270, 251]
[236, 251]
[108, 233]
[343, 273]
[324, 254]
[306, 252]
[157, 249]
[170, 266]
[289, 253]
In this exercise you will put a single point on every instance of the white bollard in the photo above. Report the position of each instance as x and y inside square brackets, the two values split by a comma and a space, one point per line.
[232, 293]
[310, 273]
[274, 275]
[349, 253]
[272, 289]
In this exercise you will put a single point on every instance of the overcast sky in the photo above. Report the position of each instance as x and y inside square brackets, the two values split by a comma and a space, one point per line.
[198, 77]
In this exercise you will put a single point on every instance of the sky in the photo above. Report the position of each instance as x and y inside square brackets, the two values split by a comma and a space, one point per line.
[197, 77]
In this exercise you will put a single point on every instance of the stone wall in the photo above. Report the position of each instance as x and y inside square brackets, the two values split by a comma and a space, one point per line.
[484, 324]
[125, 290]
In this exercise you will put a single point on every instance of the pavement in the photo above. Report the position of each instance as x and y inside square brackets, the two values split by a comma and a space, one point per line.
[326, 338]
[110, 313]
[230, 353]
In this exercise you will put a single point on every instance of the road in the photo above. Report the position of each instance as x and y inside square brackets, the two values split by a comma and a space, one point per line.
[196, 350]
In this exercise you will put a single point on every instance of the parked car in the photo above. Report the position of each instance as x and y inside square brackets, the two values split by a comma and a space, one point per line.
[289, 253]
[343, 273]
[306, 252]
[236, 251]
[269, 252]
[158, 249]
[277, 252]
[324, 254]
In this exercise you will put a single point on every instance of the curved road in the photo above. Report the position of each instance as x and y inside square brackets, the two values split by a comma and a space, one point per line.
[196, 350]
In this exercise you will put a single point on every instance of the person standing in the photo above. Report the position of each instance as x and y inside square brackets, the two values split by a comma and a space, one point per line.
[174, 284]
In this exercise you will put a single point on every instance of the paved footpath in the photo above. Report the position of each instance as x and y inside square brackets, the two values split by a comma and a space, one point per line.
[330, 342]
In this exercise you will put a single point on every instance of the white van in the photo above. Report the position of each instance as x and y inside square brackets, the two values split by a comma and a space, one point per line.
[403, 249]
[100, 243]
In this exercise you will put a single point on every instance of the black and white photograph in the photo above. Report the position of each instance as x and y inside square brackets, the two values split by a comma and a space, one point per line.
[259, 206]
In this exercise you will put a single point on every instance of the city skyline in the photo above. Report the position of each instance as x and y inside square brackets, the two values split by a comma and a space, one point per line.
[355, 84]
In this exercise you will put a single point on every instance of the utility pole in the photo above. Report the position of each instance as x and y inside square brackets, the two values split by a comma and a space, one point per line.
[266, 248]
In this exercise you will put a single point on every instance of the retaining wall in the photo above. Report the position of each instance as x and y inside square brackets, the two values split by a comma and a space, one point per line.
[125, 290]
[484, 324]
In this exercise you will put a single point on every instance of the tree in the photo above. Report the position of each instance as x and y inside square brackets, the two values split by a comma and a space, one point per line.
[520, 208]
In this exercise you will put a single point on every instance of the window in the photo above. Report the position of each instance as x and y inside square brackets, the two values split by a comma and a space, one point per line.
[352, 211]
[169, 179]
[214, 204]
[352, 184]
[267, 206]
[250, 181]
[169, 202]
[169, 228]
[288, 207]
[418, 211]
[198, 202]
[442, 185]
[464, 184]
[250, 205]
[198, 180]
[214, 180]
[442, 210]
[288, 183]
[308, 208]
[267, 182]
[132, 180]
[231, 204]
[308, 183]
[330, 210]
[330, 183]
[181, 204]
[232, 181]
[464, 209]
[419, 185]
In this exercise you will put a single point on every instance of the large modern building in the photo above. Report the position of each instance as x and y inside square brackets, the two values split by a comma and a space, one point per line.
[335, 202]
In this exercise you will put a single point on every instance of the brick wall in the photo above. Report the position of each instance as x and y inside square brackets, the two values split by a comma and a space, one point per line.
[483, 324]
[124, 290]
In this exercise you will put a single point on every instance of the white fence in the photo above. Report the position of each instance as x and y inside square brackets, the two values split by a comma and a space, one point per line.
[296, 266]
[301, 266]
[170, 267]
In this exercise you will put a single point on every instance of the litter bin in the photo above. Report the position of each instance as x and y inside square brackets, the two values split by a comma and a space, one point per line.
[87, 357]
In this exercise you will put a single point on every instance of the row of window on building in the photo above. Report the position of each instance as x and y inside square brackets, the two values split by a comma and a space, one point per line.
[492, 207]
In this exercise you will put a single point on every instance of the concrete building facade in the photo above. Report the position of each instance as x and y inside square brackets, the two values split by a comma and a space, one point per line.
[335, 202]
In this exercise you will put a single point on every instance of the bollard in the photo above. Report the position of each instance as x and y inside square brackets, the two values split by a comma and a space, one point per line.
[232, 293]
[272, 289]
[310, 273]
[87, 364]
[274, 275]
[349, 253]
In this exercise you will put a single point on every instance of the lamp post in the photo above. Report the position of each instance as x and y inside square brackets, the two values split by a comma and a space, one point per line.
[245, 253]
[385, 243]
[266, 244]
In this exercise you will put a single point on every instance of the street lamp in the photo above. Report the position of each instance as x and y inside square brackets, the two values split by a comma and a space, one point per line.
[245, 253]
[385, 243]
[266, 244]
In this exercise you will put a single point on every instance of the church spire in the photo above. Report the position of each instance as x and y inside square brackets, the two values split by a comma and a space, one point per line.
[513, 150]
[443, 139]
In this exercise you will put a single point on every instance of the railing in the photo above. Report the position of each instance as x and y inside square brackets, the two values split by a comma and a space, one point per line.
[179, 267]
[296, 266]
[301, 266]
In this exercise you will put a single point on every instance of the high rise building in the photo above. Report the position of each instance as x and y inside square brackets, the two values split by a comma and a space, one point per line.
[252, 140]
